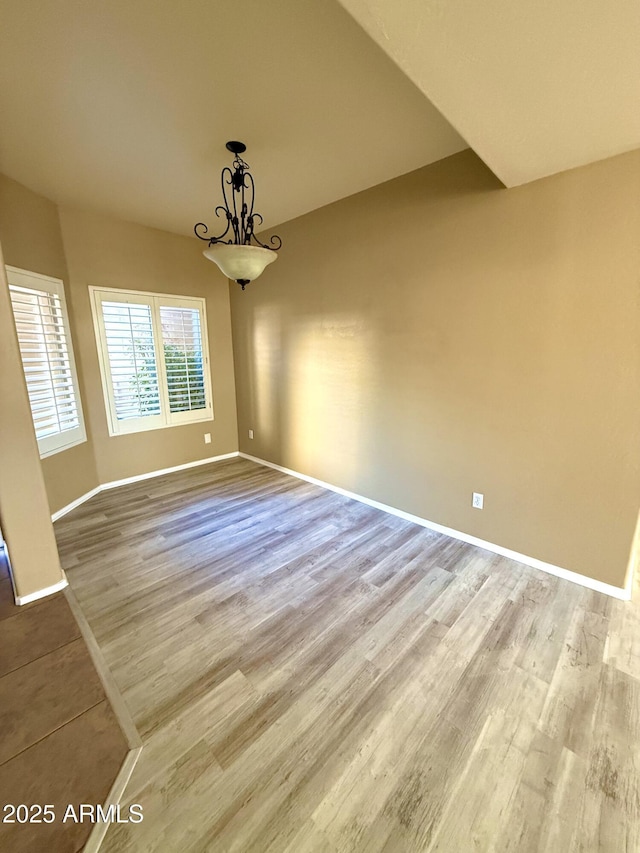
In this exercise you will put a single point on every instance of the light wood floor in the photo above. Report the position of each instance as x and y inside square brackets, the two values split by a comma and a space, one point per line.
[311, 675]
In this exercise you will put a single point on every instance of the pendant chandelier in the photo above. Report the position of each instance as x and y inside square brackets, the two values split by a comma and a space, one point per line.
[237, 251]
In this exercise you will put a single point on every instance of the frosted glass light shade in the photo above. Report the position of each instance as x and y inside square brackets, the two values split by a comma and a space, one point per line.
[241, 263]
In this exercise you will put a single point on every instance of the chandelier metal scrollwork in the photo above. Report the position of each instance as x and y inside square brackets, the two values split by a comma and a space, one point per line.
[238, 192]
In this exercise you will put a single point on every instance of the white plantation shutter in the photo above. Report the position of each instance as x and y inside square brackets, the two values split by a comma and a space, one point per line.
[183, 358]
[132, 359]
[153, 359]
[47, 357]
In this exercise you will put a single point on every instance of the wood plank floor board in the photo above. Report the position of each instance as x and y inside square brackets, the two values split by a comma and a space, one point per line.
[208, 715]
[611, 808]
[333, 721]
[309, 674]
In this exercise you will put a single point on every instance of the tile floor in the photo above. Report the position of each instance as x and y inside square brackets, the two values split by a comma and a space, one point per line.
[60, 741]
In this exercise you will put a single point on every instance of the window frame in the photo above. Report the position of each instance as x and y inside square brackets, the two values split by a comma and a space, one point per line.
[23, 279]
[166, 418]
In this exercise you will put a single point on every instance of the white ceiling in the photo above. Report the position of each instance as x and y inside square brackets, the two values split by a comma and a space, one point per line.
[124, 106]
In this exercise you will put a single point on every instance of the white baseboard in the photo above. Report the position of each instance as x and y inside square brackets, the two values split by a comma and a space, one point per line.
[41, 593]
[32, 596]
[623, 593]
[115, 483]
[74, 504]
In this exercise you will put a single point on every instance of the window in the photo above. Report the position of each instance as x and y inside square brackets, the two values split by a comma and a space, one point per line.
[40, 315]
[153, 357]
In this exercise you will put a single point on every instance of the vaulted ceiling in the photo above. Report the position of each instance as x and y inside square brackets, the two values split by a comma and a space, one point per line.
[125, 107]
[534, 86]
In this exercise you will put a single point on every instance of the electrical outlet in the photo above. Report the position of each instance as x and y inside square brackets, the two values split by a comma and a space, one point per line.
[207, 438]
[477, 501]
[250, 433]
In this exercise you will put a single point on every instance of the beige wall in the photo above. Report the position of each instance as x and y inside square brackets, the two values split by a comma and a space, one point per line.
[24, 509]
[31, 239]
[430, 337]
[92, 249]
[105, 252]
[438, 335]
